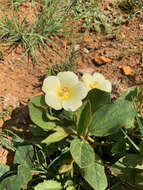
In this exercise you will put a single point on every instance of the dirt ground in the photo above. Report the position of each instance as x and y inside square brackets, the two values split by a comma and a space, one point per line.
[119, 59]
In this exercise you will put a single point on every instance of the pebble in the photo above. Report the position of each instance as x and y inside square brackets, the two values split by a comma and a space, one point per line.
[85, 50]
[126, 69]
[101, 60]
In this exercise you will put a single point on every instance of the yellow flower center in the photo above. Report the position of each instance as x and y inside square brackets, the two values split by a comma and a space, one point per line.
[93, 85]
[64, 93]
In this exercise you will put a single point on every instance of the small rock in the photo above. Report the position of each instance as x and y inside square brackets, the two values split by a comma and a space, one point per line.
[85, 50]
[89, 40]
[101, 60]
[18, 50]
[126, 69]
[77, 47]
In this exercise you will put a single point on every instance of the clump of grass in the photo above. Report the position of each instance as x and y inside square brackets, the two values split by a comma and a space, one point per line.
[51, 20]
[68, 65]
[129, 6]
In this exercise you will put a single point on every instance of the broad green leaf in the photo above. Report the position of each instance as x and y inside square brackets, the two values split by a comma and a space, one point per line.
[24, 154]
[95, 175]
[109, 118]
[131, 93]
[60, 134]
[98, 98]
[37, 131]
[48, 185]
[3, 169]
[39, 101]
[120, 147]
[83, 118]
[133, 161]
[82, 153]
[38, 116]
[25, 171]
[130, 169]
[12, 183]
[66, 166]
[52, 118]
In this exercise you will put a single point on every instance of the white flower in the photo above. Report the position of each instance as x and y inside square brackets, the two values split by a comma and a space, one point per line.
[97, 80]
[64, 91]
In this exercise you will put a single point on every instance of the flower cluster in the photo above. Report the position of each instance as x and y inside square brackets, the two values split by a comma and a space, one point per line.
[66, 90]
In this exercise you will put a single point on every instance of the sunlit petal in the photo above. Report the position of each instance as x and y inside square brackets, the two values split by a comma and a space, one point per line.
[106, 86]
[67, 78]
[52, 100]
[98, 77]
[51, 83]
[87, 78]
[80, 90]
[72, 104]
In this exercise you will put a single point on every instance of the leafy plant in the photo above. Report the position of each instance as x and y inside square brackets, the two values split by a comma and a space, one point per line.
[98, 146]
[51, 20]
[96, 19]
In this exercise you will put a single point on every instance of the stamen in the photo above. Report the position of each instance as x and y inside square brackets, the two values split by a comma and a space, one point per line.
[93, 85]
[64, 93]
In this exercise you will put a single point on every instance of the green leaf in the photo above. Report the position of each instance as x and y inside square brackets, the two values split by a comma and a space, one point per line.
[60, 134]
[120, 147]
[3, 169]
[130, 169]
[109, 118]
[95, 175]
[37, 131]
[48, 185]
[83, 118]
[70, 188]
[25, 171]
[133, 161]
[131, 93]
[39, 101]
[79, 151]
[24, 154]
[12, 183]
[98, 98]
[38, 116]
[66, 166]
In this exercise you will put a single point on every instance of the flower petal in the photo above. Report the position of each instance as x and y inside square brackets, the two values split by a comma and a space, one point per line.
[67, 78]
[106, 86]
[52, 100]
[98, 77]
[87, 78]
[72, 104]
[80, 90]
[51, 83]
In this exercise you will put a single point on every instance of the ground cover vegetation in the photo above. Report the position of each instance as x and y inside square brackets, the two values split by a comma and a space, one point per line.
[79, 136]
